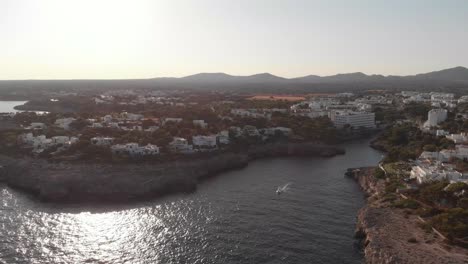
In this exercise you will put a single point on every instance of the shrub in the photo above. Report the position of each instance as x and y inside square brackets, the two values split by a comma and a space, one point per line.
[406, 203]
[379, 173]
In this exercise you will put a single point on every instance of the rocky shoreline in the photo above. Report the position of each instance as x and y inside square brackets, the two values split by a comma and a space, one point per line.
[85, 183]
[390, 235]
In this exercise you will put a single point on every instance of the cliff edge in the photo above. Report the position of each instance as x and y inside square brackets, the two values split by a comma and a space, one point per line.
[393, 236]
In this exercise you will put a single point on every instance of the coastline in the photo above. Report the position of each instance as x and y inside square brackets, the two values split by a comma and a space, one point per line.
[391, 235]
[119, 183]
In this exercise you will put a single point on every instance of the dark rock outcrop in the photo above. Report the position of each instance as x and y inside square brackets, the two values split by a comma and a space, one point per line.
[106, 182]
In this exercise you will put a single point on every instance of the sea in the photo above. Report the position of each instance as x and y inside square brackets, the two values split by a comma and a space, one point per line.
[235, 217]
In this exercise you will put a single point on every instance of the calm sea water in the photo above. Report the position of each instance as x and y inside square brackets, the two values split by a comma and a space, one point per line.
[7, 106]
[234, 218]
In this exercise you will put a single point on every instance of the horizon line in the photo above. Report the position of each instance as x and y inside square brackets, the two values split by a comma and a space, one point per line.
[231, 75]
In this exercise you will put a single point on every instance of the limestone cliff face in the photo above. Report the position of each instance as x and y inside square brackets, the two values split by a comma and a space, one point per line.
[75, 182]
[385, 232]
[115, 182]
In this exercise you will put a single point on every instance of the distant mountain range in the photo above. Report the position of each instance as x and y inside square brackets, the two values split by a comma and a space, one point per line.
[453, 80]
[452, 74]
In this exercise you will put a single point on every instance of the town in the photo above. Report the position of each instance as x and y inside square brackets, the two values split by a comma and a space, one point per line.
[424, 135]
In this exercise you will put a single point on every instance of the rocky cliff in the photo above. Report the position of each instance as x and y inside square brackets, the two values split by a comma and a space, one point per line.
[75, 182]
[393, 236]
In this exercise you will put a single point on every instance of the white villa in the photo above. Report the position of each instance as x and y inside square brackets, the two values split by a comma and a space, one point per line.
[223, 137]
[200, 123]
[171, 119]
[353, 119]
[133, 149]
[41, 142]
[180, 145]
[248, 113]
[458, 138]
[435, 116]
[204, 142]
[426, 172]
[131, 117]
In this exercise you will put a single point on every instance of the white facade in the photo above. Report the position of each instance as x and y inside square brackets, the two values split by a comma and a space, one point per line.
[107, 118]
[64, 140]
[248, 113]
[435, 116]
[132, 117]
[441, 132]
[460, 152]
[133, 149]
[463, 99]
[180, 145]
[442, 97]
[223, 137]
[461, 138]
[427, 173]
[96, 125]
[204, 141]
[41, 142]
[353, 119]
[200, 123]
[172, 119]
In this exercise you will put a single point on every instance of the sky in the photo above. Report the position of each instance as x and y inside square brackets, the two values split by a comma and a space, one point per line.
[120, 39]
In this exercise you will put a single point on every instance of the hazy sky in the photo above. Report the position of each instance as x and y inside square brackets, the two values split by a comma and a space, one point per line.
[71, 39]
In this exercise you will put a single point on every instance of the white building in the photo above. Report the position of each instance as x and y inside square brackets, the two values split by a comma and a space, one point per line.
[152, 128]
[132, 117]
[171, 120]
[223, 137]
[253, 113]
[64, 140]
[102, 141]
[180, 145]
[353, 119]
[107, 118]
[41, 142]
[463, 99]
[204, 142]
[442, 97]
[64, 122]
[363, 107]
[135, 150]
[416, 97]
[435, 117]
[441, 132]
[96, 125]
[430, 172]
[200, 123]
[461, 138]
[460, 152]
[309, 113]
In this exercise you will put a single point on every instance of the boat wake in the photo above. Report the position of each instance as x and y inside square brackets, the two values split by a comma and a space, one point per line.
[282, 189]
